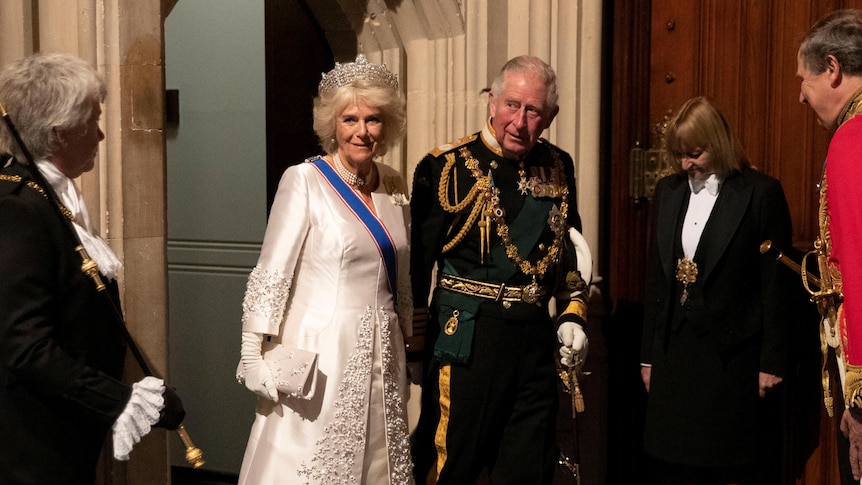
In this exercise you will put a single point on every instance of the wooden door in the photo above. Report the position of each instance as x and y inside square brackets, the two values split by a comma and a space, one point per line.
[743, 55]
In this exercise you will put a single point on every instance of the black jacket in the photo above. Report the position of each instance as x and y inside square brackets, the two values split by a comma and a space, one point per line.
[61, 345]
[707, 353]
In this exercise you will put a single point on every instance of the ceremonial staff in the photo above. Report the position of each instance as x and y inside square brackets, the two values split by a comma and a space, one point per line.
[89, 267]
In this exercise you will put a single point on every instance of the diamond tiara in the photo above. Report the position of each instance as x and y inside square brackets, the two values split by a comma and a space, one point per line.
[349, 72]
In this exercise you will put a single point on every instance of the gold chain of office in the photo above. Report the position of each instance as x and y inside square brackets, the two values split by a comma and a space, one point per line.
[33, 185]
[490, 206]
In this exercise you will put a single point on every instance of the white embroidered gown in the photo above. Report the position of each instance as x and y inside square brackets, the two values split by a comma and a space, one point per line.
[321, 285]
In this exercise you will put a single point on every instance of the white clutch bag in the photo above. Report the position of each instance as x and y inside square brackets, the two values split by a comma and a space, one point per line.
[294, 371]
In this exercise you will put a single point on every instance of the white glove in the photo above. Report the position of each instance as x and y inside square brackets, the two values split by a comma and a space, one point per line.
[258, 377]
[140, 414]
[585, 256]
[575, 344]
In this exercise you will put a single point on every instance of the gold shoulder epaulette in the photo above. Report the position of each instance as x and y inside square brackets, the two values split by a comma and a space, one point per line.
[452, 145]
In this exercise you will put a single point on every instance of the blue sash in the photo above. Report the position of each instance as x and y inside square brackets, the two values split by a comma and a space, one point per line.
[375, 228]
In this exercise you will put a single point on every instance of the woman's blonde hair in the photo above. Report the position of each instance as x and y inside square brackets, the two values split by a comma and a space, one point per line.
[332, 103]
[699, 124]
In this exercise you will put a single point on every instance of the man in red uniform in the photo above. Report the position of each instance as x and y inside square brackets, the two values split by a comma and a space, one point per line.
[829, 63]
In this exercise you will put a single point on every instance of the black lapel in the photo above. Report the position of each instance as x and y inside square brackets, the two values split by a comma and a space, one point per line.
[725, 218]
[671, 208]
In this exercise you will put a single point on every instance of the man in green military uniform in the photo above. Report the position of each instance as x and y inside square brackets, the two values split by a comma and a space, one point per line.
[496, 212]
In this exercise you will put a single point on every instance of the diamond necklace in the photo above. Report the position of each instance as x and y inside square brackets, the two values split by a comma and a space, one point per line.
[349, 177]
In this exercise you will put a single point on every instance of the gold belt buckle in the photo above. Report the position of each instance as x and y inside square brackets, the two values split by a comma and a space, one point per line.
[530, 293]
[500, 291]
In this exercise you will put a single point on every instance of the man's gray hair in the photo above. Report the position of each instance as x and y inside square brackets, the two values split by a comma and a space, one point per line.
[44, 92]
[532, 65]
[839, 34]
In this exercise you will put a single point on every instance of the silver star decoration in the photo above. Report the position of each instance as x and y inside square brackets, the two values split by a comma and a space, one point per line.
[523, 186]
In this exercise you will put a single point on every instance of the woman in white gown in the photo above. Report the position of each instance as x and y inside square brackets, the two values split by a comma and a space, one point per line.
[332, 280]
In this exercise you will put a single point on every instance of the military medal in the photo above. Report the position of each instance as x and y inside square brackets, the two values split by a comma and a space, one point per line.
[686, 273]
[539, 184]
[523, 185]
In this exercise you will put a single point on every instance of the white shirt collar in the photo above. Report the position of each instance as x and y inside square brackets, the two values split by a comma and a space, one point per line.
[712, 184]
[69, 196]
[490, 138]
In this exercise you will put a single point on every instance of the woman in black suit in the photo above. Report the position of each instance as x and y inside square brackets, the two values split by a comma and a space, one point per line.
[716, 334]
[61, 343]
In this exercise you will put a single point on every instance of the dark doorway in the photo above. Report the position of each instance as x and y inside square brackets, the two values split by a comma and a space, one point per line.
[296, 54]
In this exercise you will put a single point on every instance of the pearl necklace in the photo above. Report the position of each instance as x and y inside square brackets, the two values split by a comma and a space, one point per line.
[352, 179]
